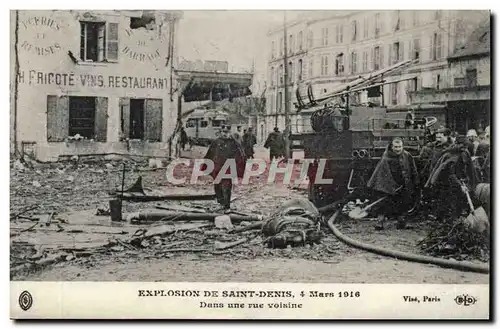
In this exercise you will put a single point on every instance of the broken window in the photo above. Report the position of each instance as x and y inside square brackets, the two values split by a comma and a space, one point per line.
[68, 116]
[146, 21]
[142, 118]
[98, 41]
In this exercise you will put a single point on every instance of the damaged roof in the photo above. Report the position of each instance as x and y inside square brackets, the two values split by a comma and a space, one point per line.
[478, 43]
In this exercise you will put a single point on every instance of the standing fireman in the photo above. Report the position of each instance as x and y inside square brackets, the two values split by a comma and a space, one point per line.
[220, 151]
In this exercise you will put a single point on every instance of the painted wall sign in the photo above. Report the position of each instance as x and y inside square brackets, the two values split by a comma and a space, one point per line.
[33, 77]
[144, 45]
[40, 34]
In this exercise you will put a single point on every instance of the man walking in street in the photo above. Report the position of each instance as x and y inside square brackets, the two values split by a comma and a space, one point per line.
[249, 141]
[223, 149]
[276, 144]
[396, 177]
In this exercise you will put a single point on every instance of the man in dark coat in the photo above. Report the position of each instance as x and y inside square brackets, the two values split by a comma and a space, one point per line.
[396, 177]
[183, 138]
[276, 144]
[453, 167]
[431, 152]
[249, 141]
[220, 151]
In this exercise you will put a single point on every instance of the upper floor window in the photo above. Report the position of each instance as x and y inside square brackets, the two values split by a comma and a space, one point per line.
[290, 44]
[366, 28]
[339, 64]
[324, 36]
[98, 41]
[300, 40]
[310, 40]
[299, 77]
[273, 49]
[354, 62]
[354, 27]
[378, 25]
[340, 34]
[282, 46]
[324, 65]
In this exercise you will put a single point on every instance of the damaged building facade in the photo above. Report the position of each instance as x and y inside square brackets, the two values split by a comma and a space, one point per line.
[93, 82]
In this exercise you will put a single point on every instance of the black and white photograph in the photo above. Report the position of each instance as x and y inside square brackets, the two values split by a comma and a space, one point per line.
[334, 148]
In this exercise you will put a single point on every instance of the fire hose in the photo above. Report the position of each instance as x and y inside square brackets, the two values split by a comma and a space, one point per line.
[463, 266]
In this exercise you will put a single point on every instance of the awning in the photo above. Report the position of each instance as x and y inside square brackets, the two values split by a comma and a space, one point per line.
[202, 86]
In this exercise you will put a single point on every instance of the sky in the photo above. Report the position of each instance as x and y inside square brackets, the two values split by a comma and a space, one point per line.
[239, 37]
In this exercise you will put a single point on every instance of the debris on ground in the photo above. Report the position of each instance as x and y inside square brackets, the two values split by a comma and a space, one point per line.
[453, 238]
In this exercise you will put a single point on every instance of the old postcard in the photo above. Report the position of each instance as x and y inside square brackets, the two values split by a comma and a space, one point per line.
[272, 164]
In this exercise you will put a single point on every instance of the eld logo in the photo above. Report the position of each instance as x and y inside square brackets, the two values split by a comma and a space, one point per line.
[465, 300]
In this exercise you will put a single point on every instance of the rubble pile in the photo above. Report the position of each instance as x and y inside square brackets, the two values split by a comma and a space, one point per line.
[453, 239]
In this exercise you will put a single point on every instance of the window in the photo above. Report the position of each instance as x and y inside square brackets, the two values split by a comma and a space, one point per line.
[415, 18]
[272, 76]
[459, 82]
[324, 65]
[354, 62]
[354, 27]
[399, 23]
[290, 44]
[339, 34]
[366, 28]
[281, 46]
[416, 49]
[394, 93]
[438, 81]
[470, 77]
[299, 40]
[98, 41]
[378, 25]
[279, 106]
[204, 124]
[218, 123]
[339, 64]
[311, 69]
[300, 70]
[376, 59]
[82, 116]
[437, 46]
[365, 61]
[290, 72]
[68, 116]
[273, 49]
[281, 74]
[141, 118]
[395, 53]
[310, 40]
[191, 123]
[324, 36]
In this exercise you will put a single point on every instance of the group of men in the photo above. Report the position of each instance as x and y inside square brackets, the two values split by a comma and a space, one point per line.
[450, 167]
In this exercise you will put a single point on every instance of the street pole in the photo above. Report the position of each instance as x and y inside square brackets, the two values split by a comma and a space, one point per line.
[287, 105]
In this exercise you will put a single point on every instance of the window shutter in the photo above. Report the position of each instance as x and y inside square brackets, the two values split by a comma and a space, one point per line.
[125, 117]
[101, 119]
[153, 120]
[112, 42]
[57, 118]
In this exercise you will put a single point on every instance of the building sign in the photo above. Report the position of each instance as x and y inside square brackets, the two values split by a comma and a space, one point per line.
[143, 45]
[38, 78]
[41, 31]
[216, 66]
